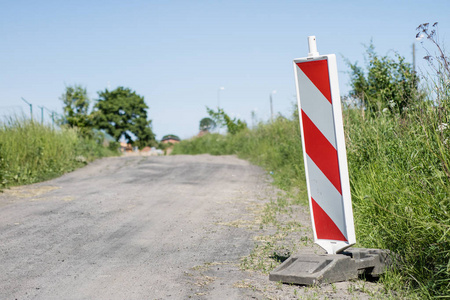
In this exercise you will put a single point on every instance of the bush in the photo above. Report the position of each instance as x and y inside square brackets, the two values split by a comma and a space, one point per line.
[387, 83]
[222, 119]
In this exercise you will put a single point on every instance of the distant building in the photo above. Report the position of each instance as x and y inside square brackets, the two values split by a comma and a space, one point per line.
[125, 147]
[170, 138]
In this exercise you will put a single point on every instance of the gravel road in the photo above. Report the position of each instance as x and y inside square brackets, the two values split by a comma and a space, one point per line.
[171, 227]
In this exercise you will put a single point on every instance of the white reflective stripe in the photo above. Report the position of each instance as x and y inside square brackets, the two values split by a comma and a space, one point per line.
[316, 106]
[326, 195]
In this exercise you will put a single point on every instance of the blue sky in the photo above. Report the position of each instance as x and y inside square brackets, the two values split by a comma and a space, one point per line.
[177, 54]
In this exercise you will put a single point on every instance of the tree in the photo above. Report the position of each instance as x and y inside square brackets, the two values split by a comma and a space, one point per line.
[207, 124]
[170, 137]
[385, 84]
[221, 118]
[123, 113]
[76, 108]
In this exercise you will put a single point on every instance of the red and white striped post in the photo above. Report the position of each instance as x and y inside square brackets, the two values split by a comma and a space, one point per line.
[324, 151]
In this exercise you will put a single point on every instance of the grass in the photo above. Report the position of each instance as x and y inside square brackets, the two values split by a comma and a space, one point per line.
[400, 181]
[399, 166]
[31, 152]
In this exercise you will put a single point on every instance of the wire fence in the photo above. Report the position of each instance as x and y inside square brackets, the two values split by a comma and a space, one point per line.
[34, 112]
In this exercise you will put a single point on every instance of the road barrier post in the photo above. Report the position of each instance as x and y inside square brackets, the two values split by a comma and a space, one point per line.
[327, 180]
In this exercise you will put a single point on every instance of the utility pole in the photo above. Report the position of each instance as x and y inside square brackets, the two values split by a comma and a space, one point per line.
[218, 96]
[31, 107]
[271, 105]
[253, 118]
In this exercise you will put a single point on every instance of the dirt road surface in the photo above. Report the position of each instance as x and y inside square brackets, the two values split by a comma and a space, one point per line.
[174, 227]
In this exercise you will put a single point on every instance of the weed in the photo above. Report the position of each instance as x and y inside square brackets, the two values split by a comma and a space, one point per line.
[334, 288]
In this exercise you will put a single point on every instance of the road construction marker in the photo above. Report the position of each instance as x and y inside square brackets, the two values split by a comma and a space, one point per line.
[327, 180]
[324, 151]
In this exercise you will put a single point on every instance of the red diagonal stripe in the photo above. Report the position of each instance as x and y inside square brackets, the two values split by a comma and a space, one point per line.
[317, 72]
[325, 227]
[320, 150]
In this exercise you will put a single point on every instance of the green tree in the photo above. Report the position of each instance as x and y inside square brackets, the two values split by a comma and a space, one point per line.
[76, 109]
[123, 113]
[386, 83]
[207, 124]
[170, 137]
[222, 119]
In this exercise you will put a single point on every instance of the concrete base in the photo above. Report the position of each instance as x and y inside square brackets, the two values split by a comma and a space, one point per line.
[312, 269]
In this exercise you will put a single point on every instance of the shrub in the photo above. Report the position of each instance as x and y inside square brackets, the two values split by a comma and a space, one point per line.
[387, 83]
[222, 119]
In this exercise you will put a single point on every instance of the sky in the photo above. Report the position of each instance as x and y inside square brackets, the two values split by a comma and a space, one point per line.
[179, 55]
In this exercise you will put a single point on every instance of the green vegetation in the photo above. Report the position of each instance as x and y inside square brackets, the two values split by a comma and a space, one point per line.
[76, 110]
[399, 163]
[207, 124]
[386, 84]
[123, 113]
[223, 120]
[399, 168]
[32, 152]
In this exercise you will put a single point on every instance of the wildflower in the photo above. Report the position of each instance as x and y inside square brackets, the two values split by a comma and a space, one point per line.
[442, 127]
[81, 158]
[385, 109]
[391, 103]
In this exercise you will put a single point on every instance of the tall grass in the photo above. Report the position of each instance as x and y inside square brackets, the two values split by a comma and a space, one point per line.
[399, 175]
[32, 152]
[400, 179]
